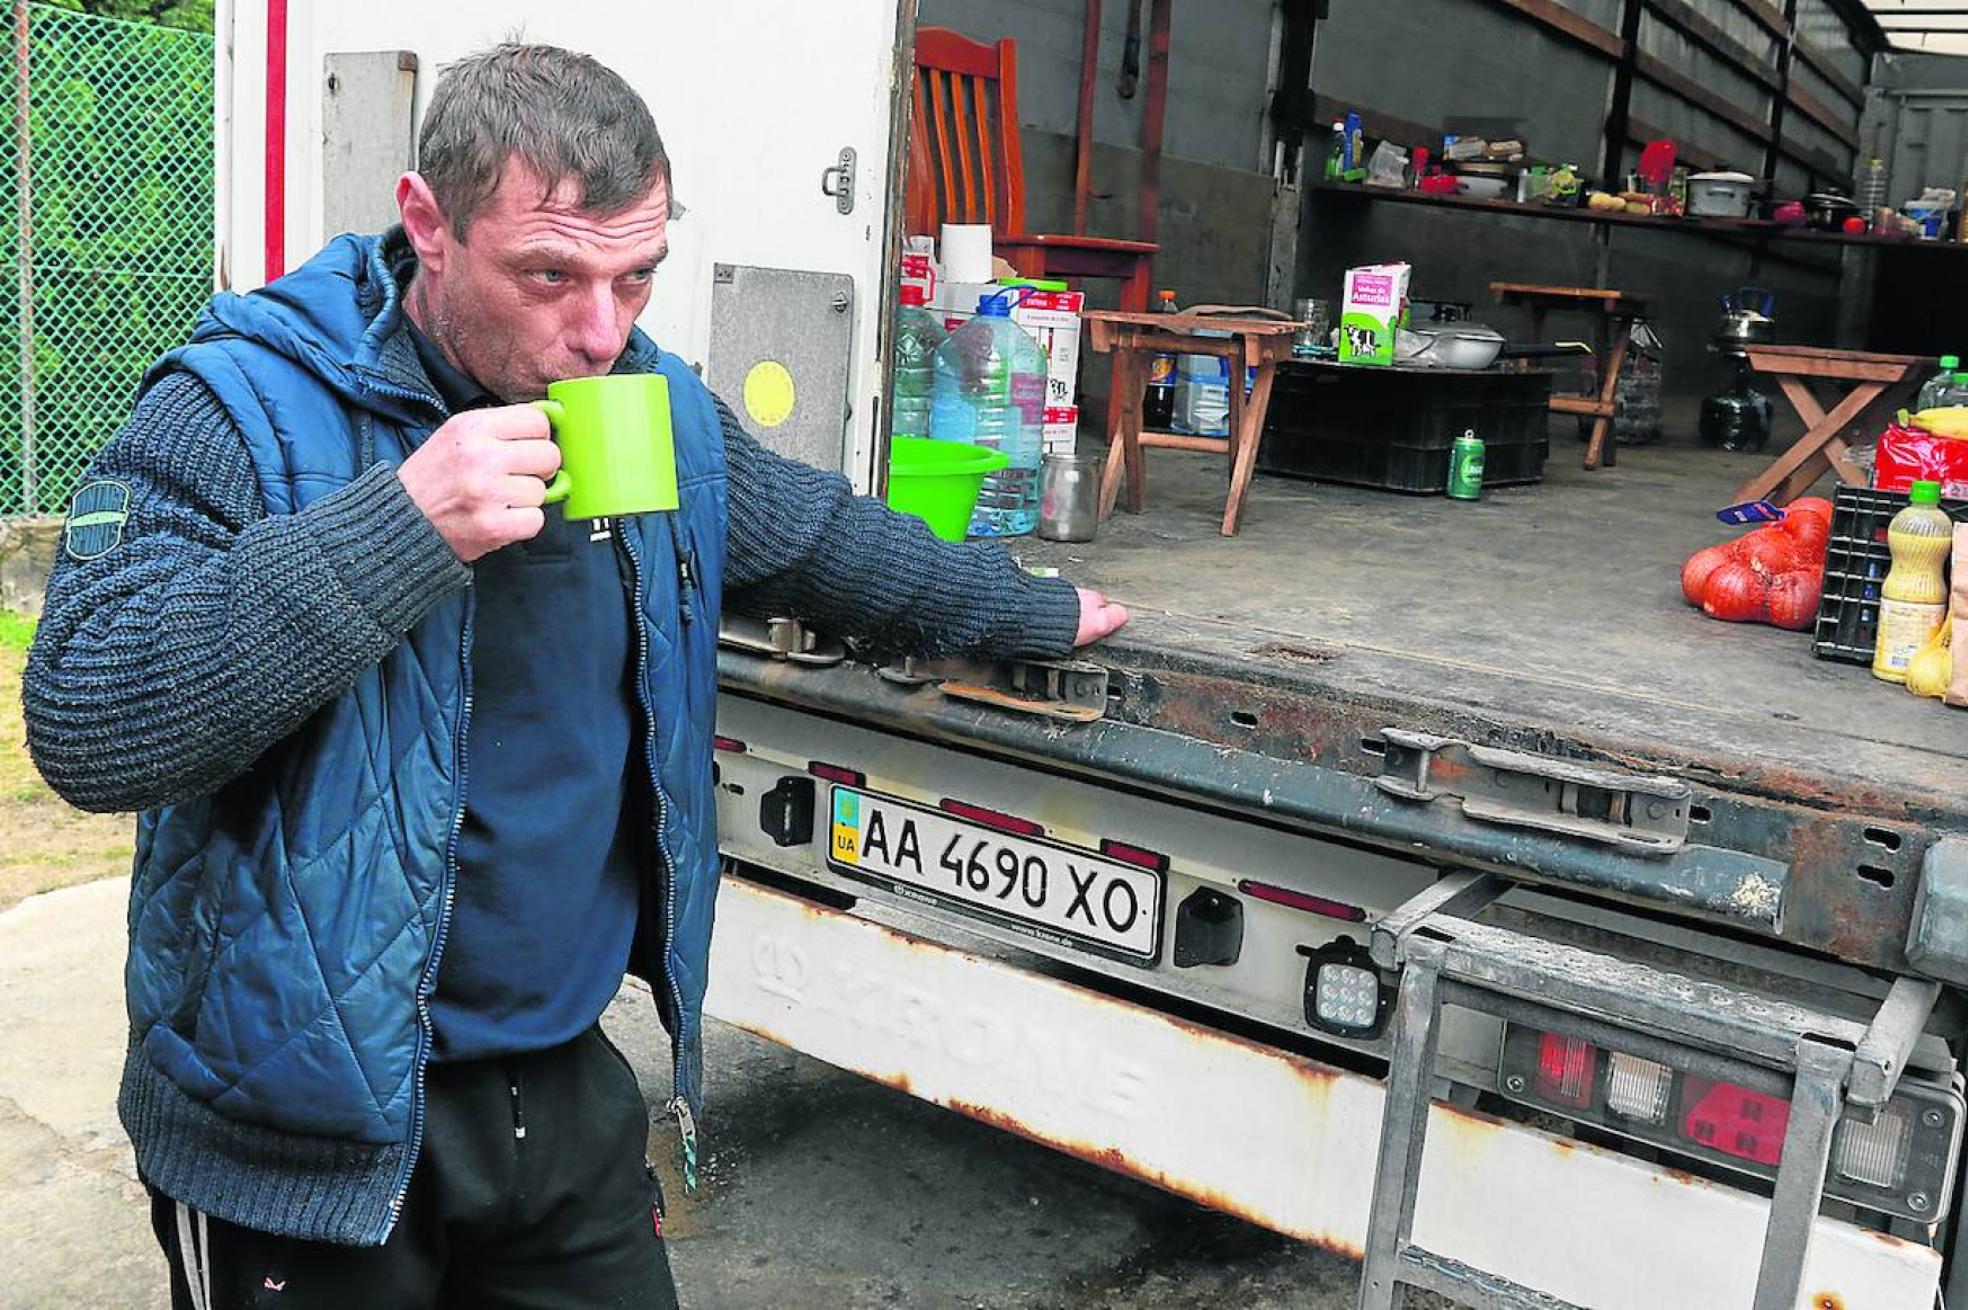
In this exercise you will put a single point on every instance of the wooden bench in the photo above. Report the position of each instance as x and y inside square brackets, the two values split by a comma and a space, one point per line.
[1883, 383]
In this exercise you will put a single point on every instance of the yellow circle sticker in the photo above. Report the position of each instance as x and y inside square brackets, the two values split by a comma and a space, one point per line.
[769, 393]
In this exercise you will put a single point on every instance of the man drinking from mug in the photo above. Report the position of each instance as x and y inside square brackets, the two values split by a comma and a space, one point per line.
[423, 767]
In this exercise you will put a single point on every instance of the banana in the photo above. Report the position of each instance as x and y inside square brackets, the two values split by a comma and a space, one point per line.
[1951, 421]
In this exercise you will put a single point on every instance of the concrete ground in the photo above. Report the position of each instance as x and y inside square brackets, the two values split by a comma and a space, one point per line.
[820, 1188]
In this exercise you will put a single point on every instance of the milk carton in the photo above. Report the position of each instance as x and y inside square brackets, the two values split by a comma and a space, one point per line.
[1061, 428]
[1370, 312]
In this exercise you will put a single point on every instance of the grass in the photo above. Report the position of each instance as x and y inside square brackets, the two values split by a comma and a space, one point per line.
[16, 631]
[45, 844]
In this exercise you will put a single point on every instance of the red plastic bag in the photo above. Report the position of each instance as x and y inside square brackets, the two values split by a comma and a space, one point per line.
[1908, 455]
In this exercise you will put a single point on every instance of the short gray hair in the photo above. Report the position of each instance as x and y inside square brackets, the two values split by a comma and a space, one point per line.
[564, 114]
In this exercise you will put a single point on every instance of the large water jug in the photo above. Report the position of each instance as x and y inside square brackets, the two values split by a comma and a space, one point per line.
[918, 333]
[990, 391]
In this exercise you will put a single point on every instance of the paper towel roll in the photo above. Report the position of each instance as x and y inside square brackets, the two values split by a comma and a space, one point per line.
[966, 252]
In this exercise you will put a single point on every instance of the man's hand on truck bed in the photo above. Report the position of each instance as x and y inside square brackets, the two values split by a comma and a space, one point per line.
[1099, 617]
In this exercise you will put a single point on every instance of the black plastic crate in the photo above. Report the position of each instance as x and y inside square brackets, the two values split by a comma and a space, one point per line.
[1856, 560]
[1393, 428]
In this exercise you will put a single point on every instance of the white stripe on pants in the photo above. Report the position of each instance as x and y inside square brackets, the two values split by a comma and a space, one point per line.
[194, 1252]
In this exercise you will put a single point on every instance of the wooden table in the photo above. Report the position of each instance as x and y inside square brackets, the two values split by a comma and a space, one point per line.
[1615, 313]
[1884, 381]
[1135, 340]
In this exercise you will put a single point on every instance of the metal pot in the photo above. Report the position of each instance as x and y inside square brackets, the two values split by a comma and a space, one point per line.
[1719, 195]
[1827, 210]
[1746, 318]
[1456, 345]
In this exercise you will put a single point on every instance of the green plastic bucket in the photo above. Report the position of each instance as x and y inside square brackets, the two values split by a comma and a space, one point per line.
[938, 481]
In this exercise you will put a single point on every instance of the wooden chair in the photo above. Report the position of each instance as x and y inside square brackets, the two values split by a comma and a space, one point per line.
[966, 166]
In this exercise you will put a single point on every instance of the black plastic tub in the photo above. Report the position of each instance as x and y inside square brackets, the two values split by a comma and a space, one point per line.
[1393, 427]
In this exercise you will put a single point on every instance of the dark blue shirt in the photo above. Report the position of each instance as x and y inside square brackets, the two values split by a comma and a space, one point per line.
[547, 888]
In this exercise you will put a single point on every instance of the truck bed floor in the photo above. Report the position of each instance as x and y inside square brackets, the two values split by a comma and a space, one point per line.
[1554, 606]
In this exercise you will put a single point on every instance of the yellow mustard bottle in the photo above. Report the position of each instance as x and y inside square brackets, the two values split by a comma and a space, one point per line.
[1913, 599]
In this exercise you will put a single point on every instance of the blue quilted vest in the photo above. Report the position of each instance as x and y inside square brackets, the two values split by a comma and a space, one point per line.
[286, 930]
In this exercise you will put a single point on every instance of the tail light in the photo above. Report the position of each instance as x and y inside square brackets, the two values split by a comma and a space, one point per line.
[1567, 1068]
[1734, 1120]
[1902, 1163]
[1638, 1089]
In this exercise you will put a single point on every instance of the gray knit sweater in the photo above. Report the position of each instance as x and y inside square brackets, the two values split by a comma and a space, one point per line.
[164, 668]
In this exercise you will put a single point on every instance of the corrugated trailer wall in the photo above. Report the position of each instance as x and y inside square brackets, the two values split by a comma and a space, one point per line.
[1918, 122]
[1709, 73]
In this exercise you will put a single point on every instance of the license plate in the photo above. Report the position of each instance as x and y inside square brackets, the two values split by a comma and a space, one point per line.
[1044, 888]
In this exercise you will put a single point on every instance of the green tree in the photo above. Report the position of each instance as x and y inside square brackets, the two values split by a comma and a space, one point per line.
[191, 15]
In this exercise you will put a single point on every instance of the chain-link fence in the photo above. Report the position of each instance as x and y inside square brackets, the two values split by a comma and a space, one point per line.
[112, 233]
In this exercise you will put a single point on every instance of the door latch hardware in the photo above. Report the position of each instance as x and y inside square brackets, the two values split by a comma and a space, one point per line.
[781, 639]
[838, 181]
[1641, 814]
[1073, 690]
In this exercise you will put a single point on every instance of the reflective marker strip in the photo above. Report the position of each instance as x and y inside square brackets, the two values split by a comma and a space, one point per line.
[991, 818]
[1311, 904]
[1135, 855]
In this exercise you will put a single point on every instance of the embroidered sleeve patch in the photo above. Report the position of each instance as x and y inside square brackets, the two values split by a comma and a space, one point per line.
[95, 520]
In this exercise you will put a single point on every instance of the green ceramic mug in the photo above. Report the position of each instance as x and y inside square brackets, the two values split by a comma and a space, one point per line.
[617, 446]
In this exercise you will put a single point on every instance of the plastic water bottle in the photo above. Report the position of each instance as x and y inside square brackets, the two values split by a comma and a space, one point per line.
[1945, 388]
[917, 336]
[1872, 188]
[990, 391]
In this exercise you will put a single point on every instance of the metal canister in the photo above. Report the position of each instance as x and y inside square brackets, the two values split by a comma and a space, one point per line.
[1466, 467]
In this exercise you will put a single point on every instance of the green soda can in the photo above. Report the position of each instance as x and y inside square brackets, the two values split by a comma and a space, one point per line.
[1466, 467]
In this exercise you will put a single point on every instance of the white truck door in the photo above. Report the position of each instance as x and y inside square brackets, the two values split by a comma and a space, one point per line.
[755, 99]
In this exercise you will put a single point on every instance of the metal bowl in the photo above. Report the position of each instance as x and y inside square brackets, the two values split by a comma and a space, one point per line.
[1458, 345]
